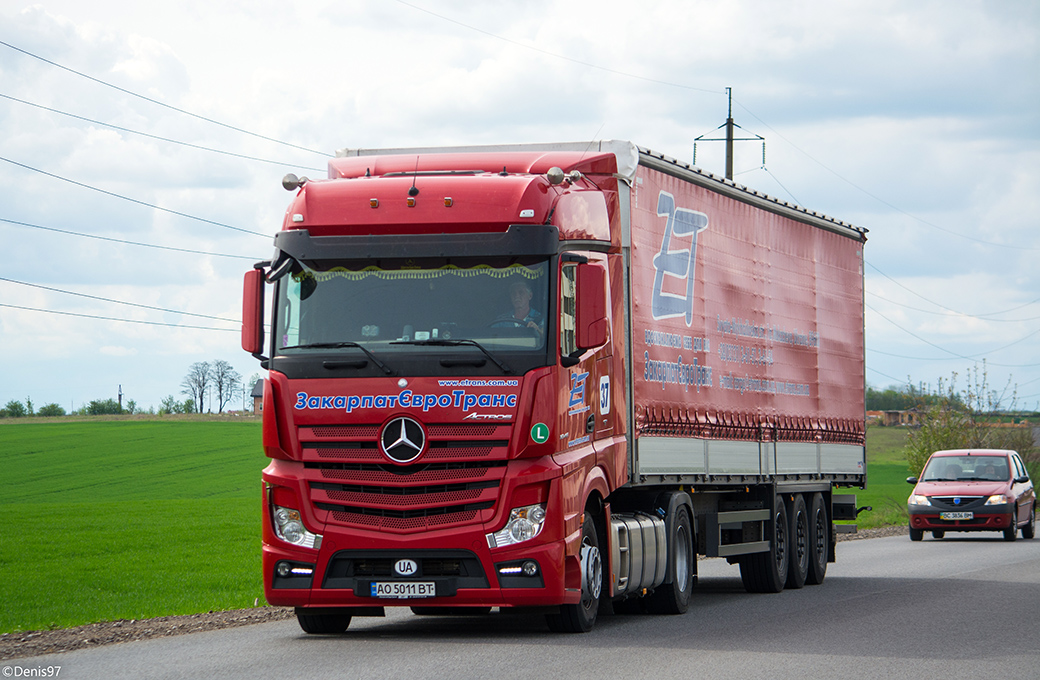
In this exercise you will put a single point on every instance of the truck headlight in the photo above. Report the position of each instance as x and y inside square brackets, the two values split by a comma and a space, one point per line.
[288, 526]
[524, 524]
[918, 499]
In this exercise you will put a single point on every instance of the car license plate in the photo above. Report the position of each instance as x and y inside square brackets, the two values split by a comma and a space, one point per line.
[403, 589]
[956, 515]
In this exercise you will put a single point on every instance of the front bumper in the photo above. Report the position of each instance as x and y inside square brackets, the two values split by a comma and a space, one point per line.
[993, 518]
[464, 574]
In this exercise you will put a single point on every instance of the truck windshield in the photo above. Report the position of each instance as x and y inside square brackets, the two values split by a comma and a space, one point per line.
[407, 308]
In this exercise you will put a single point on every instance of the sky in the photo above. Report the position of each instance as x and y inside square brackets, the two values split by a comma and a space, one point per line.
[142, 147]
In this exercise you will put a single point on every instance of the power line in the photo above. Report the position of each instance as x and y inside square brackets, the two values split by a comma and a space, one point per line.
[161, 139]
[933, 302]
[109, 318]
[124, 241]
[159, 103]
[950, 313]
[954, 355]
[127, 198]
[118, 302]
[878, 198]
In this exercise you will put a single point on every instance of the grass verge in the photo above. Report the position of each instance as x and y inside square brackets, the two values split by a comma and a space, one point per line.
[128, 520]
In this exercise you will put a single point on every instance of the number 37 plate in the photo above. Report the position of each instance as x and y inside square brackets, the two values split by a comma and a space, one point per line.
[403, 589]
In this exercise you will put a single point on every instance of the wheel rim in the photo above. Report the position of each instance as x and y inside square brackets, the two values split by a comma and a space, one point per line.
[781, 541]
[821, 534]
[592, 574]
[801, 539]
[682, 557]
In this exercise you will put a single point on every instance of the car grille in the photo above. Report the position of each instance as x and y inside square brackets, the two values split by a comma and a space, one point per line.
[966, 502]
[457, 480]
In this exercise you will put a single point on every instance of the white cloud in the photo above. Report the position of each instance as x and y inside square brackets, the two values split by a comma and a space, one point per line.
[913, 120]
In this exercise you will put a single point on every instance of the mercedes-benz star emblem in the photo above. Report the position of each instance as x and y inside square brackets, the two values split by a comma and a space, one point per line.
[402, 440]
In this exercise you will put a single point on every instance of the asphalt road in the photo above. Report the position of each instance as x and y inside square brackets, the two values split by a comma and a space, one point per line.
[962, 607]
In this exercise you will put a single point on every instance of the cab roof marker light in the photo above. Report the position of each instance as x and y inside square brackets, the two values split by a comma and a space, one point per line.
[411, 202]
[448, 201]
[373, 202]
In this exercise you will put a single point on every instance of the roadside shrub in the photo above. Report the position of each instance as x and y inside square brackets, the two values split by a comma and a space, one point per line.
[50, 410]
[15, 409]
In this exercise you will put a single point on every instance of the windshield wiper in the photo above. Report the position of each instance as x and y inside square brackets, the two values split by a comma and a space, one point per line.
[455, 343]
[345, 343]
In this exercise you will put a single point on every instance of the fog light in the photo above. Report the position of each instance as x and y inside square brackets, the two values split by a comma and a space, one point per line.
[283, 569]
[530, 568]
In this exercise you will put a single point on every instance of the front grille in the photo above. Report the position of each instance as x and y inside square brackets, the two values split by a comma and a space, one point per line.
[457, 480]
[966, 502]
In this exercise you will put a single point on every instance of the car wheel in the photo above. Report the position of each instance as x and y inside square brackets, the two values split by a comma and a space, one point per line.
[938, 533]
[819, 540]
[766, 572]
[798, 551]
[322, 624]
[1030, 528]
[581, 617]
[916, 534]
[1011, 533]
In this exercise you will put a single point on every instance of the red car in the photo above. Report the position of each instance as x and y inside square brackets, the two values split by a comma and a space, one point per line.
[972, 490]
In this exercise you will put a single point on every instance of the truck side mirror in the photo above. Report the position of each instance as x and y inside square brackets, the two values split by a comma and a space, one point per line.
[253, 312]
[591, 322]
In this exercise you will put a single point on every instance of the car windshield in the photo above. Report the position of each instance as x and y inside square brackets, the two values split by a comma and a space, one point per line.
[967, 468]
[494, 306]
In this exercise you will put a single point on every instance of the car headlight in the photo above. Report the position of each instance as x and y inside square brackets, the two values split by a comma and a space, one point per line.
[1000, 499]
[918, 499]
[524, 524]
[288, 526]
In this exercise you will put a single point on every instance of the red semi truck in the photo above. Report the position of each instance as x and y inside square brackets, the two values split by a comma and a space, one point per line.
[549, 377]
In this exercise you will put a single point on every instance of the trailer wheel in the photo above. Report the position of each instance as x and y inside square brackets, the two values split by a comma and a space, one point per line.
[674, 597]
[322, 624]
[798, 551]
[581, 617]
[819, 541]
[766, 572]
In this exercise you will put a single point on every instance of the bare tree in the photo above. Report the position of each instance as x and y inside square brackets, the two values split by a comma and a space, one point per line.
[225, 380]
[196, 383]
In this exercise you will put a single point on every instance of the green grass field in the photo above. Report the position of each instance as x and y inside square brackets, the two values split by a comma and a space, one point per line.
[132, 519]
[109, 520]
[887, 489]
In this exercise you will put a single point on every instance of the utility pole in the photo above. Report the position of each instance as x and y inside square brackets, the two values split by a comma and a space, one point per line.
[120, 398]
[729, 135]
[729, 139]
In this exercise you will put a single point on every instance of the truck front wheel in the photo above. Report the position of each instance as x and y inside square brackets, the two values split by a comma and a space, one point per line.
[322, 624]
[581, 617]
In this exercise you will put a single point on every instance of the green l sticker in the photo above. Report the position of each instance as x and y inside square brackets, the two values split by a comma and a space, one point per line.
[540, 433]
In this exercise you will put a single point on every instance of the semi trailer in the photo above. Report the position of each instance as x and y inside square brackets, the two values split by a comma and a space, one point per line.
[550, 377]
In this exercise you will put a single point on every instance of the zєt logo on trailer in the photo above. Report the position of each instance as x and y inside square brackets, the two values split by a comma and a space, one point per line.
[682, 224]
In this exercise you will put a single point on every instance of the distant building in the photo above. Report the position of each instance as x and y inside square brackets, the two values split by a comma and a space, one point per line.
[896, 418]
[258, 397]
